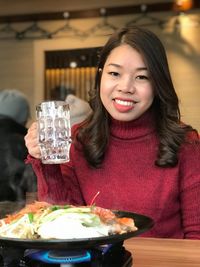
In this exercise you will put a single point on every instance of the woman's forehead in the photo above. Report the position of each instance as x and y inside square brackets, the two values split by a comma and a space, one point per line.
[124, 54]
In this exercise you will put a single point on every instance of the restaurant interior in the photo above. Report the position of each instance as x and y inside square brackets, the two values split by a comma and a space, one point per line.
[48, 47]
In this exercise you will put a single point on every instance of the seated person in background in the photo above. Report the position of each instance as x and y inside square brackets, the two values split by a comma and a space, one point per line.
[79, 109]
[16, 178]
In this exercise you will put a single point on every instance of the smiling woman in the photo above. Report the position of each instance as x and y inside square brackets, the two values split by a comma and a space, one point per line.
[126, 91]
[133, 148]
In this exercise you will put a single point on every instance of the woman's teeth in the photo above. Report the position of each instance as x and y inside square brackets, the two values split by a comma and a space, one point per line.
[124, 103]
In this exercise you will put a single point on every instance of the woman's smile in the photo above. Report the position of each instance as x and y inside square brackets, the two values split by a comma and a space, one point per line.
[123, 105]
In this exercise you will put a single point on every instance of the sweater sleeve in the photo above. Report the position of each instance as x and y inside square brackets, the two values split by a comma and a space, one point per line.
[56, 183]
[190, 190]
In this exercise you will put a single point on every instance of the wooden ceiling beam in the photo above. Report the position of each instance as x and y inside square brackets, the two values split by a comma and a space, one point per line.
[91, 13]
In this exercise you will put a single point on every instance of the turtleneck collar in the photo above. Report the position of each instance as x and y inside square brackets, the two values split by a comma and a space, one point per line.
[140, 127]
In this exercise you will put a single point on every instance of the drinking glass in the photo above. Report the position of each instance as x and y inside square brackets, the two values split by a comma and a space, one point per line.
[54, 131]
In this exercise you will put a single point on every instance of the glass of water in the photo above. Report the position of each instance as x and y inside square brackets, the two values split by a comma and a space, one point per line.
[54, 131]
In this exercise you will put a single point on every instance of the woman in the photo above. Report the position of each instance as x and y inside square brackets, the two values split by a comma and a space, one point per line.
[133, 153]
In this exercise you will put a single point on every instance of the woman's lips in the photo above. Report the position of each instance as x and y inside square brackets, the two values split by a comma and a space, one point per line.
[123, 105]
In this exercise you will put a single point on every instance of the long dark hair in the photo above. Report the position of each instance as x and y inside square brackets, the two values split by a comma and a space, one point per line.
[93, 135]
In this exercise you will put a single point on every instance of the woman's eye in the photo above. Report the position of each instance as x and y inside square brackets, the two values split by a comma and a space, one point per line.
[142, 77]
[113, 73]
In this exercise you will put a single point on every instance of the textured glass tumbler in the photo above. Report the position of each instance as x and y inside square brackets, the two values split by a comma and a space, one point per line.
[54, 131]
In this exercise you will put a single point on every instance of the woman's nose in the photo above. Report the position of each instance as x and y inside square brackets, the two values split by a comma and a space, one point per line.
[126, 85]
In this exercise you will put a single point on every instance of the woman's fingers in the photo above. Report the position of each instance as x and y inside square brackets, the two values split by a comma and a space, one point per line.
[31, 141]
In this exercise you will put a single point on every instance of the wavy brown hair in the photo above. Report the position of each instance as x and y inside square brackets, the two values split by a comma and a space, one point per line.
[94, 133]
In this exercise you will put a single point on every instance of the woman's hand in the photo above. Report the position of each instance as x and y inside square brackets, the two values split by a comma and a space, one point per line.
[31, 141]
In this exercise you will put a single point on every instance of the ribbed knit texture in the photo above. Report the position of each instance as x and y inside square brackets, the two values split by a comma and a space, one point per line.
[129, 180]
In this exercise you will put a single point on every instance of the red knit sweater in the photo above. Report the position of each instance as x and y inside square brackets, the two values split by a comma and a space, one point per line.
[129, 180]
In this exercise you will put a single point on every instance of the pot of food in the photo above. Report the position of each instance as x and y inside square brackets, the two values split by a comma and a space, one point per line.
[44, 226]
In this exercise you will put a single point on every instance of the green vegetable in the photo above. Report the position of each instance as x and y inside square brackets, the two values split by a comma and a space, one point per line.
[83, 214]
[56, 207]
[91, 221]
[30, 217]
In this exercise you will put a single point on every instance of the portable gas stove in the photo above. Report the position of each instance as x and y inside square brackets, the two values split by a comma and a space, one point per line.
[114, 255]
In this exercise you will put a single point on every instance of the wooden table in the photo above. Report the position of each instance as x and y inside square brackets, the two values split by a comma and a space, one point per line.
[156, 252]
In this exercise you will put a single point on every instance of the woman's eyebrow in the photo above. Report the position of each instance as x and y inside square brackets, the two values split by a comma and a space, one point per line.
[142, 68]
[119, 66]
[115, 65]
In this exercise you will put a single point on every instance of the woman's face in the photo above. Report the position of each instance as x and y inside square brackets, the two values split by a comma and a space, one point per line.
[126, 91]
